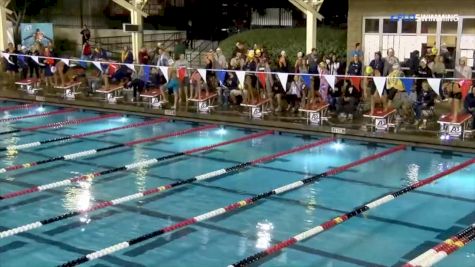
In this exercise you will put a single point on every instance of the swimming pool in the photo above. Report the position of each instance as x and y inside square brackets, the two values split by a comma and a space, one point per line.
[165, 152]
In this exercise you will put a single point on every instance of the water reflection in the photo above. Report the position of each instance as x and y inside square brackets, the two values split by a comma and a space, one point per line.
[264, 234]
[79, 198]
[412, 174]
[311, 209]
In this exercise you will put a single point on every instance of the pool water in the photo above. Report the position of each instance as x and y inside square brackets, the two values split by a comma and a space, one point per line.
[389, 235]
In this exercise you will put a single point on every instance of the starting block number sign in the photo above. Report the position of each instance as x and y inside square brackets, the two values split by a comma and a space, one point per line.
[315, 118]
[30, 90]
[256, 112]
[381, 124]
[454, 130]
[69, 94]
[203, 107]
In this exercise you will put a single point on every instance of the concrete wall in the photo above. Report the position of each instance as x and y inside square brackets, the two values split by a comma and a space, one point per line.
[363, 8]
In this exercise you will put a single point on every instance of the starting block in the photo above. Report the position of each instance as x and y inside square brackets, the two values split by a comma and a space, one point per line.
[316, 114]
[257, 110]
[204, 102]
[31, 86]
[70, 90]
[112, 93]
[457, 128]
[153, 96]
[382, 120]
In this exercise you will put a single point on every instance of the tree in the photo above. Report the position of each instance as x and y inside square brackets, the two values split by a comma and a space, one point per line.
[23, 9]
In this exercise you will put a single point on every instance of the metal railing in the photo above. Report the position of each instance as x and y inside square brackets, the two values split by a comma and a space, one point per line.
[117, 43]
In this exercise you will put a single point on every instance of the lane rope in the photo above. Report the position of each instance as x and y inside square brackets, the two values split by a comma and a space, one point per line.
[91, 152]
[223, 210]
[160, 189]
[444, 249]
[61, 124]
[37, 115]
[18, 107]
[131, 166]
[342, 218]
[15, 148]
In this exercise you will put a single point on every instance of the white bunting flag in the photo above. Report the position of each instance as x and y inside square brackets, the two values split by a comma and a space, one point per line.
[6, 56]
[131, 66]
[241, 76]
[330, 80]
[283, 78]
[202, 72]
[65, 61]
[434, 84]
[35, 58]
[164, 71]
[98, 65]
[379, 82]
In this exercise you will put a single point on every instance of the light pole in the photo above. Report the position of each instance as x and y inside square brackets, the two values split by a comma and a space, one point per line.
[310, 8]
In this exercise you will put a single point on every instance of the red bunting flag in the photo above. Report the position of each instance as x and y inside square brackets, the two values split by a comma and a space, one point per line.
[465, 86]
[181, 73]
[262, 78]
[356, 82]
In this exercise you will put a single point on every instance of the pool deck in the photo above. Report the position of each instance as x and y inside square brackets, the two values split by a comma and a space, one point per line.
[296, 123]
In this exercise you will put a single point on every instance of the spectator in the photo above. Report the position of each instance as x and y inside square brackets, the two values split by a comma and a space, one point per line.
[300, 64]
[283, 63]
[251, 64]
[414, 62]
[11, 63]
[469, 104]
[99, 54]
[335, 65]
[230, 84]
[425, 102]
[448, 57]
[239, 48]
[294, 93]
[144, 58]
[127, 56]
[86, 53]
[162, 58]
[377, 63]
[86, 34]
[396, 93]
[350, 102]
[22, 62]
[422, 72]
[33, 65]
[237, 62]
[389, 62]
[220, 59]
[335, 96]
[355, 67]
[358, 52]
[462, 71]
[439, 71]
[312, 62]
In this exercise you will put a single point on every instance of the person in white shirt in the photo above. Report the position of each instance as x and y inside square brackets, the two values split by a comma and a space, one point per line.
[220, 59]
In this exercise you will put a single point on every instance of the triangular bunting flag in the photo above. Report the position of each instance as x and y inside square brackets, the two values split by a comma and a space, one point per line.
[221, 76]
[6, 56]
[98, 65]
[202, 73]
[283, 78]
[65, 61]
[407, 82]
[241, 76]
[35, 59]
[465, 87]
[330, 80]
[262, 78]
[131, 67]
[379, 82]
[164, 71]
[434, 84]
[356, 82]
[306, 80]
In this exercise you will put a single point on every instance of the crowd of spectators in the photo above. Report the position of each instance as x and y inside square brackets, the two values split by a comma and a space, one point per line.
[354, 90]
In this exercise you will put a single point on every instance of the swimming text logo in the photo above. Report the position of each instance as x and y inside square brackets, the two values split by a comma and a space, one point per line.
[425, 17]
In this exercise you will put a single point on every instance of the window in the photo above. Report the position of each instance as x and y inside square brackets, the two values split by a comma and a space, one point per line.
[371, 25]
[409, 26]
[389, 26]
[428, 27]
[449, 27]
[468, 26]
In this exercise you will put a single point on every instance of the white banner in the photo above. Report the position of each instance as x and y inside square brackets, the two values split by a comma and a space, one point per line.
[434, 84]
[241, 76]
[7, 57]
[98, 65]
[283, 78]
[164, 71]
[202, 72]
[65, 61]
[330, 80]
[131, 66]
[35, 58]
[379, 82]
